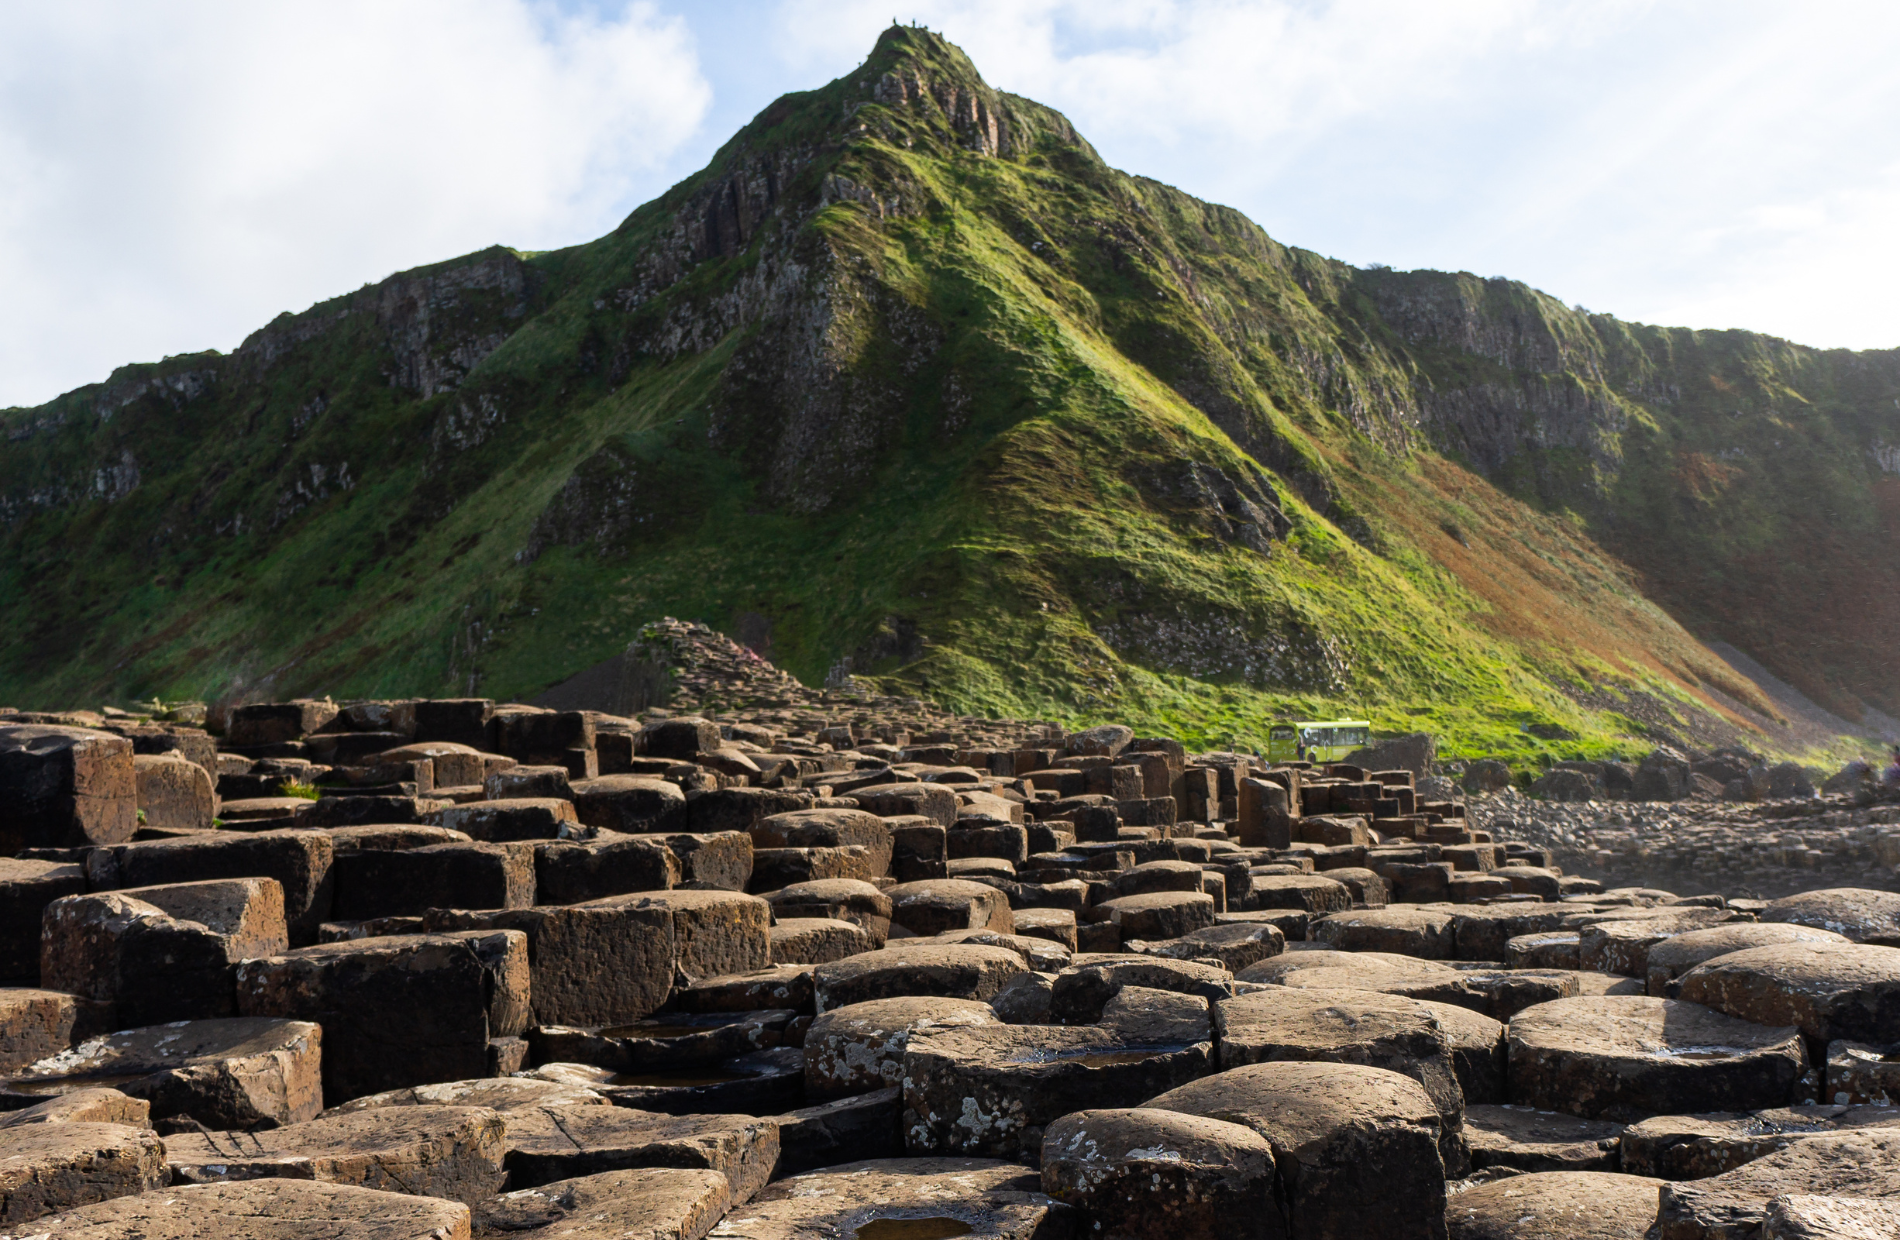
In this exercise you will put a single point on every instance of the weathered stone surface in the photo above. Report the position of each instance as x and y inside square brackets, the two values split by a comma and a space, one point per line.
[648, 1203]
[1055, 924]
[1356, 1148]
[65, 788]
[1476, 1043]
[430, 1151]
[84, 1106]
[860, 1047]
[1624, 1057]
[507, 1093]
[398, 1011]
[1620, 943]
[667, 1043]
[1081, 992]
[767, 1082]
[1373, 965]
[411, 881]
[1830, 991]
[1147, 1017]
[843, 899]
[1732, 1206]
[815, 940]
[174, 793]
[1677, 954]
[1526, 1139]
[1860, 1073]
[47, 1168]
[300, 861]
[1694, 1147]
[264, 1210]
[1313, 893]
[828, 828]
[604, 963]
[26, 888]
[992, 1089]
[715, 933]
[1802, 1216]
[847, 1129]
[1854, 913]
[1026, 999]
[781, 986]
[1556, 1205]
[1137, 1174]
[513, 818]
[236, 1073]
[33, 1025]
[556, 1143]
[577, 871]
[1556, 949]
[1399, 929]
[934, 906]
[900, 1198]
[1235, 946]
[1157, 915]
[957, 971]
[631, 804]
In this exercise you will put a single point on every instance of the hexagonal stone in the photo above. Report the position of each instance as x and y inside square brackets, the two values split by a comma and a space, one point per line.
[816, 940]
[1677, 954]
[956, 971]
[781, 986]
[1620, 942]
[47, 1168]
[1356, 1148]
[33, 1025]
[84, 1106]
[299, 860]
[1081, 991]
[431, 1151]
[1055, 924]
[608, 962]
[1237, 946]
[1526, 1139]
[1553, 949]
[842, 899]
[233, 1073]
[265, 1210]
[546, 1144]
[992, 1089]
[505, 1093]
[1735, 1204]
[828, 828]
[910, 1199]
[1854, 913]
[1375, 967]
[860, 1047]
[1803, 1216]
[26, 888]
[666, 1043]
[509, 819]
[1555, 1205]
[1156, 915]
[1477, 1050]
[1624, 1057]
[1694, 1147]
[1141, 1173]
[174, 793]
[65, 787]
[1831, 991]
[577, 871]
[1403, 930]
[843, 1130]
[715, 933]
[654, 1203]
[1311, 893]
[936, 905]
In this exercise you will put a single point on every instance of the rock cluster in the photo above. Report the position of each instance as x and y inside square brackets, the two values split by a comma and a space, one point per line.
[454, 968]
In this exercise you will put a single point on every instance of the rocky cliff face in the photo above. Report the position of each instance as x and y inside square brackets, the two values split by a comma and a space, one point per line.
[908, 382]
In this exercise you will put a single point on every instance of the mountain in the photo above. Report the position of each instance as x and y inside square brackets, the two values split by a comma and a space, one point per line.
[907, 383]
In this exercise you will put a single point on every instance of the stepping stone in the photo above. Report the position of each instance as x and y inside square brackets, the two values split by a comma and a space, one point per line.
[265, 1210]
[992, 1089]
[1596, 985]
[1834, 992]
[1158, 1017]
[1137, 1174]
[300, 861]
[842, 899]
[1625, 1057]
[65, 787]
[1157, 915]
[761, 1083]
[1555, 1205]
[1453, 987]
[1308, 893]
[844, 1130]
[1026, 999]
[1854, 913]
[610, 864]
[715, 933]
[1509, 991]
[655, 1203]
[1622, 946]
[665, 1043]
[1159, 876]
[1356, 1148]
[1860, 1073]
[1081, 991]
[1367, 887]
[33, 1025]
[1236, 946]
[1484, 932]
[84, 1106]
[507, 1093]
[828, 828]
[957, 971]
[860, 1047]
[233, 1073]
[940, 904]
[508, 819]
[1800, 1216]
[47, 1168]
[174, 793]
[1055, 924]
[1401, 930]
[1676, 955]
[1039, 954]
[1554, 949]
[1377, 966]
[411, 881]
[166, 953]
[1694, 1147]
[908, 1199]
[449, 1152]
[398, 1011]
[1864, 1164]
[26, 888]
[546, 1144]
[605, 963]
[1477, 1050]
[716, 859]
[1526, 1139]
[816, 940]
[781, 986]
[630, 804]
[1346, 1027]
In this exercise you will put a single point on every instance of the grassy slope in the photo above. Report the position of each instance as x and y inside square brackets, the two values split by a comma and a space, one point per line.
[1005, 506]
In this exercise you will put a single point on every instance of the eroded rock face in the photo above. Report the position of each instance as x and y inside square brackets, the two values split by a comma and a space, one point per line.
[265, 1210]
[1556, 1205]
[546, 1144]
[1694, 1147]
[973, 1197]
[661, 1203]
[860, 1047]
[47, 1168]
[1852, 912]
[1862, 1164]
[1830, 991]
[954, 971]
[1142, 1173]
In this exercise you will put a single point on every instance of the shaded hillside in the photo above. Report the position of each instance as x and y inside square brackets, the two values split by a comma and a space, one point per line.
[908, 383]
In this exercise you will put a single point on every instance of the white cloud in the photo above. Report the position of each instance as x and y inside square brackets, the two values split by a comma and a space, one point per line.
[172, 176]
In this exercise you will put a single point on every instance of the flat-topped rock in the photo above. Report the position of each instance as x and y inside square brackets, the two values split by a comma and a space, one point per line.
[271, 1209]
[505, 1093]
[26, 888]
[1862, 1164]
[1694, 1147]
[1854, 913]
[910, 1199]
[1400, 929]
[843, 899]
[1476, 1043]
[860, 1047]
[1626, 1057]
[1677, 954]
[815, 940]
[1143, 1173]
[1236, 946]
[84, 1106]
[956, 971]
[608, 962]
[936, 905]
[430, 1151]
[1830, 991]
[33, 1025]
[1156, 915]
[546, 1144]
[47, 1168]
[1555, 1205]
[1309, 893]
[1526, 1139]
[652, 1203]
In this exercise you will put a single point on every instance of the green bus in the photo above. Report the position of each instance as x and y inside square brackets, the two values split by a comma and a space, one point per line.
[1317, 741]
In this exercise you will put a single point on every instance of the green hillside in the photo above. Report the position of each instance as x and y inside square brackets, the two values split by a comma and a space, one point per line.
[907, 383]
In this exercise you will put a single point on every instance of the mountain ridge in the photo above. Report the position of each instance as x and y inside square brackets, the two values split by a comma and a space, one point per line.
[907, 382]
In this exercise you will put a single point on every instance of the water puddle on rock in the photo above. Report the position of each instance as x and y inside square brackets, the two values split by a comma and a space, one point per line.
[912, 1229]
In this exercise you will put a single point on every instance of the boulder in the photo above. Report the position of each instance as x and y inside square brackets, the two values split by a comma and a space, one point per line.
[860, 1047]
[845, 1129]
[84, 1106]
[1137, 1174]
[508, 819]
[1236, 946]
[842, 899]
[1624, 1057]
[26, 888]
[1803, 1216]
[411, 881]
[1555, 1205]
[1476, 1043]
[505, 1093]
[1858, 1072]
[1415, 752]
[631, 804]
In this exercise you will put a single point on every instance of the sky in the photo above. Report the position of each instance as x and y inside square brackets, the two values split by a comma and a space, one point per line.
[174, 176]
